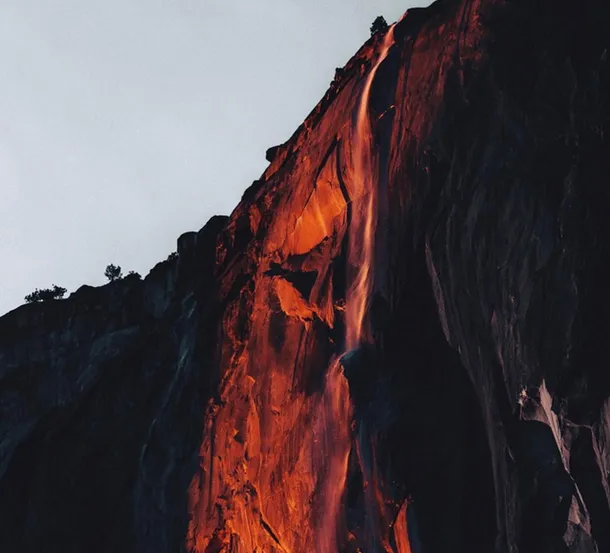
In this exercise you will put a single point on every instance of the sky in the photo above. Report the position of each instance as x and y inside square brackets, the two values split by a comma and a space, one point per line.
[124, 123]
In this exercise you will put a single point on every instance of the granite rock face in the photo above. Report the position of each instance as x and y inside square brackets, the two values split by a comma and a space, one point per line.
[102, 397]
[216, 406]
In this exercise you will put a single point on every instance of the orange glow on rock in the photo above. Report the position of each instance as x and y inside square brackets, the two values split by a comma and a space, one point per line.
[401, 531]
[333, 452]
[273, 462]
[318, 218]
[291, 302]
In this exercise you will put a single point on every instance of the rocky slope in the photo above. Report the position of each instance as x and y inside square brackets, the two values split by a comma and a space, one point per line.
[395, 343]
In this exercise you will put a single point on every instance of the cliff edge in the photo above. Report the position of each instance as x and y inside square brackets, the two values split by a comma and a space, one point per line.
[395, 343]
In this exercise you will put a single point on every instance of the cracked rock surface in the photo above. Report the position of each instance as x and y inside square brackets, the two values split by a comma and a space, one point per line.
[182, 412]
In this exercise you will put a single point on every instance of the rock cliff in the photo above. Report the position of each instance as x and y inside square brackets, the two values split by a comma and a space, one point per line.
[396, 342]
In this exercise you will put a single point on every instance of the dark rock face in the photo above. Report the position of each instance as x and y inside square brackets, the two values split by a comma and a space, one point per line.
[102, 400]
[189, 411]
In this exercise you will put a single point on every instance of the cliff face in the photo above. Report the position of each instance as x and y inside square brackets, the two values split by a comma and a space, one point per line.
[395, 343]
[101, 409]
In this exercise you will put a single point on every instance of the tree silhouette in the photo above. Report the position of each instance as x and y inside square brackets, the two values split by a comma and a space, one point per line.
[380, 25]
[113, 272]
[46, 294]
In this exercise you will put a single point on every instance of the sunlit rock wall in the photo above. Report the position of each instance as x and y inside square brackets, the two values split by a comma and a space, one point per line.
[193, 410]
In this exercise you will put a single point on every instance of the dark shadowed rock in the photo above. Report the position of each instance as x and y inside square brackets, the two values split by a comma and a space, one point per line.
[271, 153]
[212, 406]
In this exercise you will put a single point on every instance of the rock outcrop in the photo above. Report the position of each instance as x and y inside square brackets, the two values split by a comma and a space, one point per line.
[452, 186]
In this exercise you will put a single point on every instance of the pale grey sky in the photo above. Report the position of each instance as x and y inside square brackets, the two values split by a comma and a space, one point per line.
[124, 123]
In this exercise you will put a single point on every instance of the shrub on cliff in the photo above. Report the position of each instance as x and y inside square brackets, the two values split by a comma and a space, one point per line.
[46, 294]
[113, 272]
[380, 25]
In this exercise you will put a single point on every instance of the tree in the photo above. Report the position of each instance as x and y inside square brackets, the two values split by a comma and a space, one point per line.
[134, 273]
[113, 272]
[46, 294]
[380, 25]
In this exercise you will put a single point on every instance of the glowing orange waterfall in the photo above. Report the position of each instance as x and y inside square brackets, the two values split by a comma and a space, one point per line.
[361, 257]
[333, 437]
[364, 213]
[336, 415]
